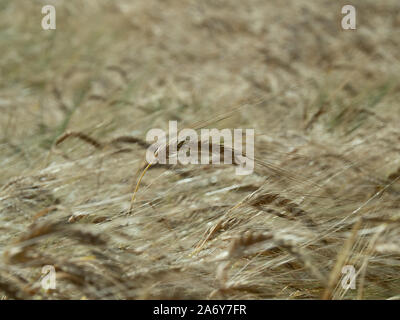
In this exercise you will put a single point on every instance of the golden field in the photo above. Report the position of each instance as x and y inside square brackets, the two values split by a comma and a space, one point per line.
[76, 104]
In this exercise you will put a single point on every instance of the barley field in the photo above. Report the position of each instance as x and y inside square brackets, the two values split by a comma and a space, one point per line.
[76, 104]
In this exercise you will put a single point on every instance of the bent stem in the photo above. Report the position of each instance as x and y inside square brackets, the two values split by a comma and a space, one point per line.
[137, 186]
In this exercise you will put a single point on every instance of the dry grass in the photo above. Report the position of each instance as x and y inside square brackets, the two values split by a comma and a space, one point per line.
[76, 104]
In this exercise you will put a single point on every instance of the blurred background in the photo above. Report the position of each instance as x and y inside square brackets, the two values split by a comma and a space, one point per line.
[324, 105]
